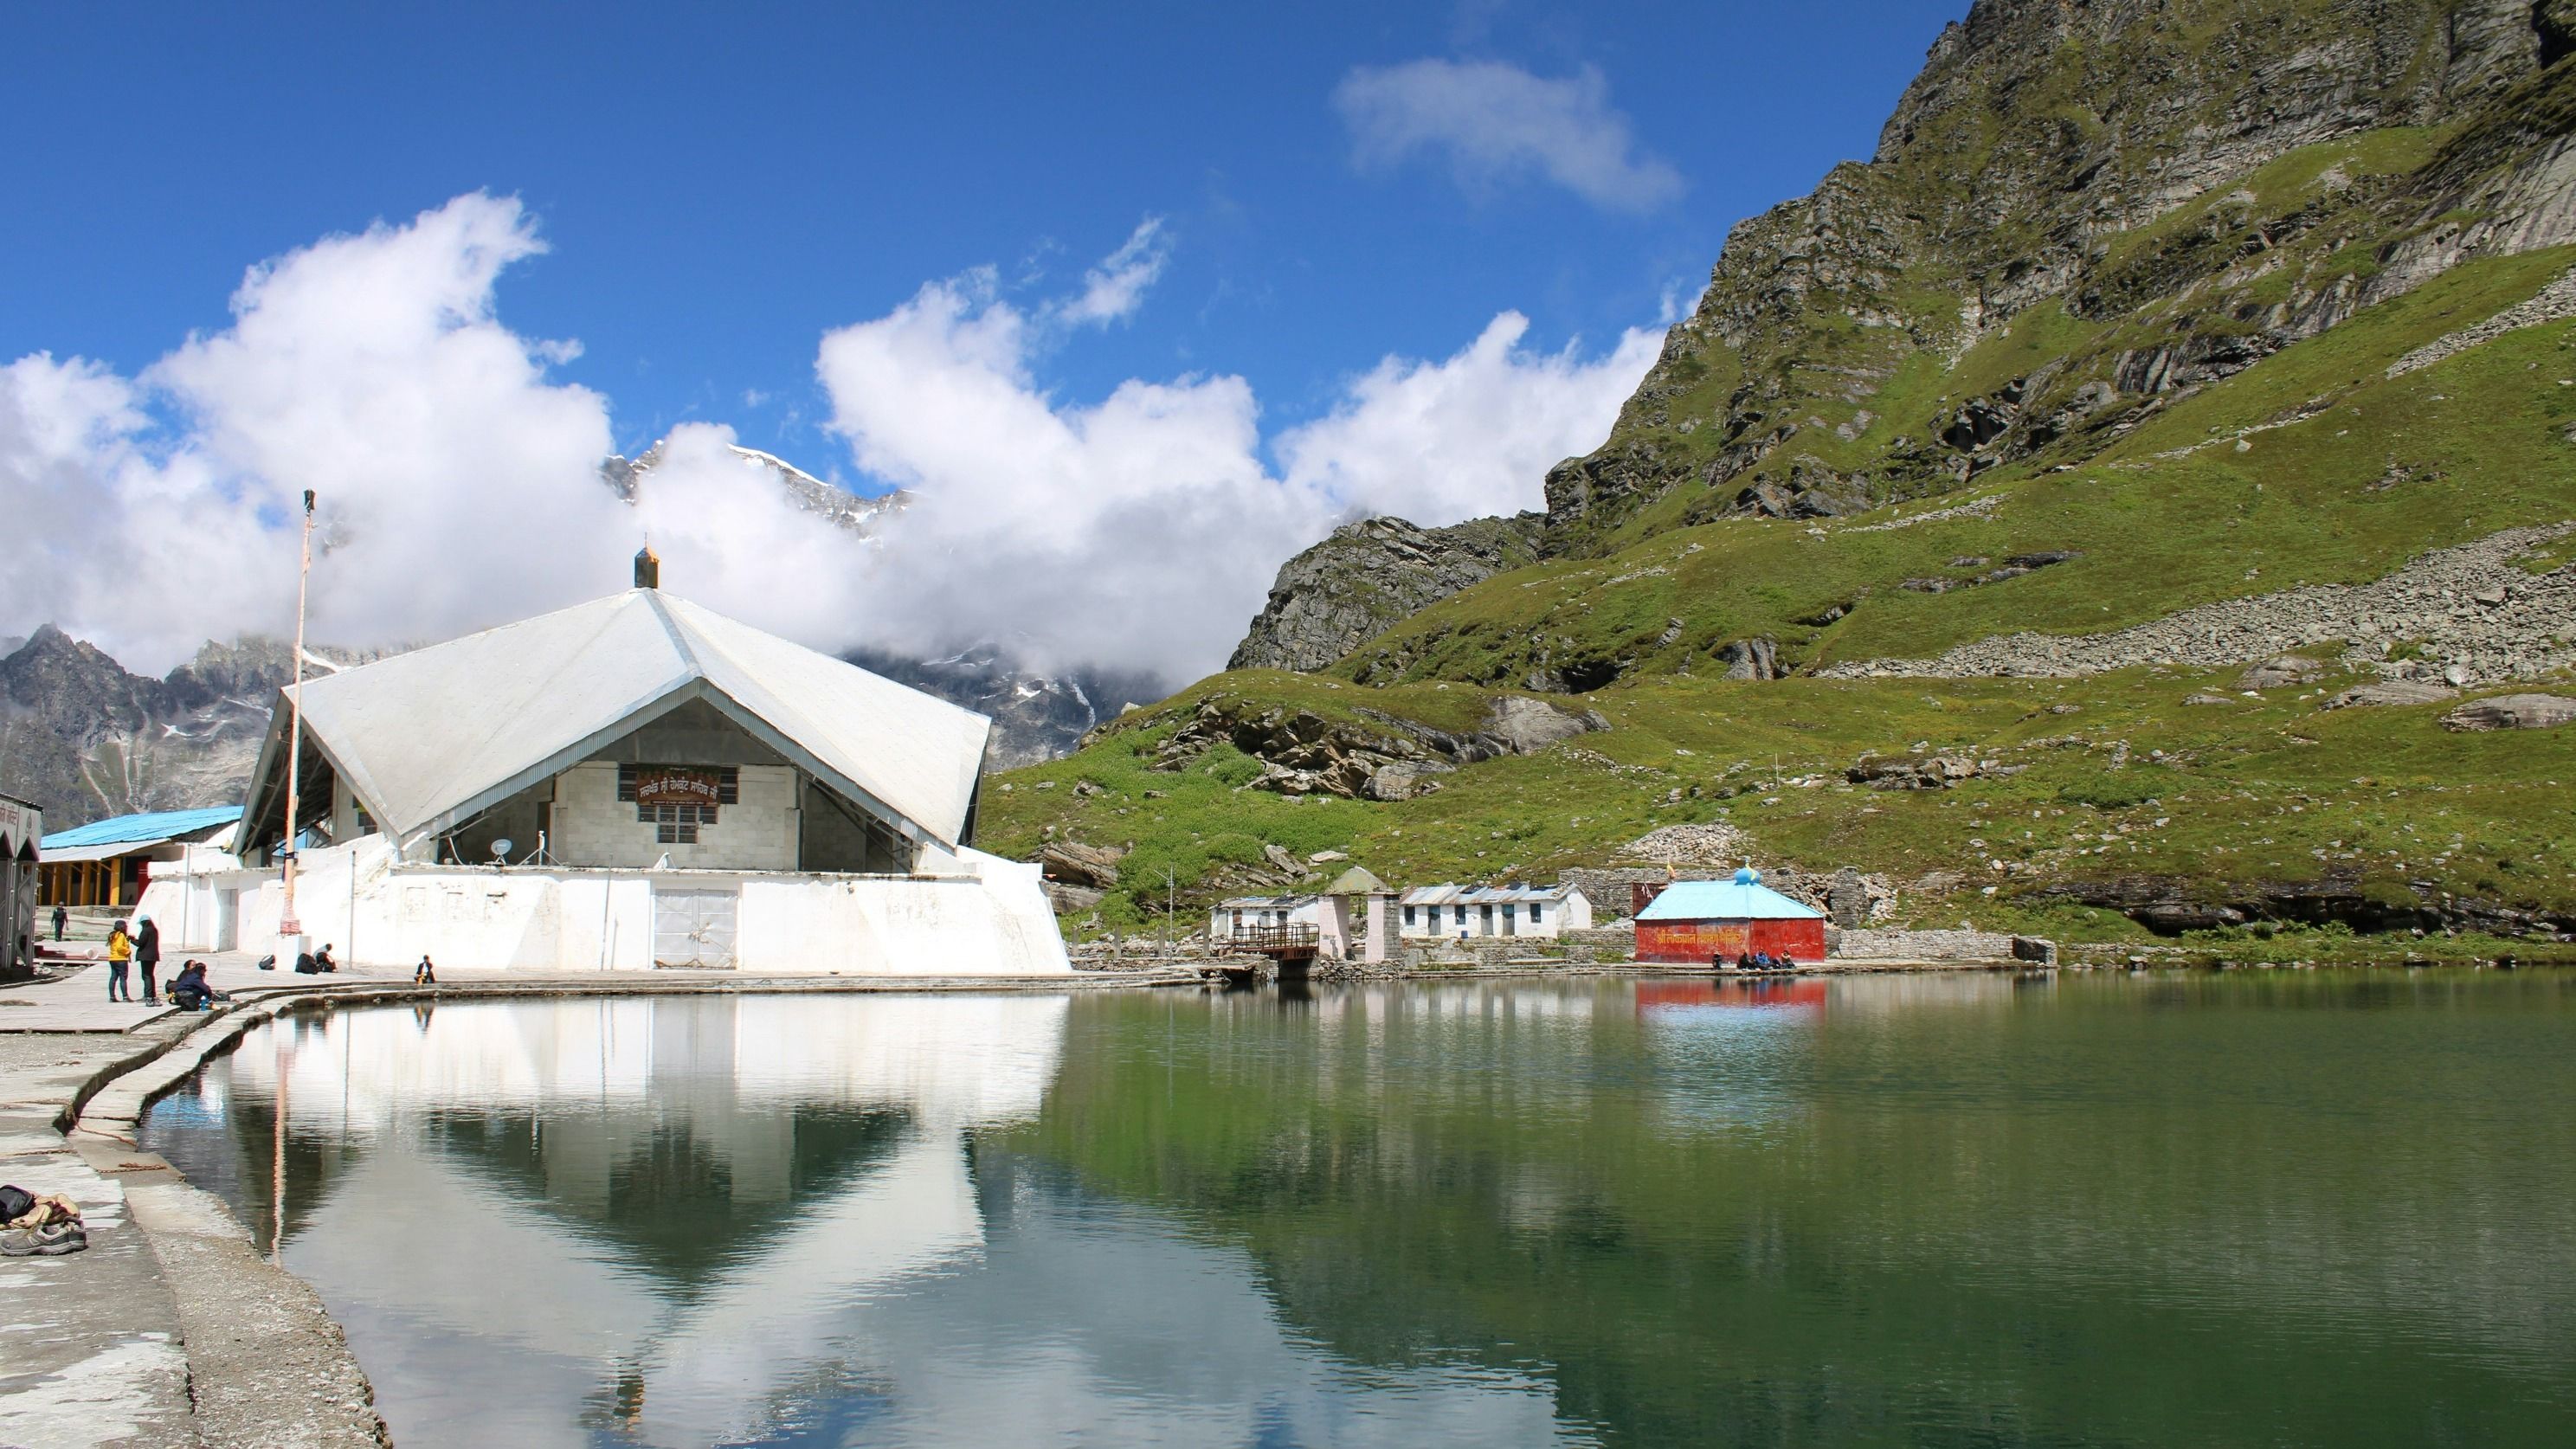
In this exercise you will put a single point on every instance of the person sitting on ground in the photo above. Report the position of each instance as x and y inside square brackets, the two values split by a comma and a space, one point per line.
[1786, 963]
[424, 974]
[188, 989]
[1744, 961]
[120, 958]
[322, 959]
[1761, 960]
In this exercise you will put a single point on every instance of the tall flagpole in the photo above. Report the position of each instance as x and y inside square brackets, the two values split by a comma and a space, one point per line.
[287, 925]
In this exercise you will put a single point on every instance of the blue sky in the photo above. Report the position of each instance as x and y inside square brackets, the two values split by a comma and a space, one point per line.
[718, 185]
[1136, 301]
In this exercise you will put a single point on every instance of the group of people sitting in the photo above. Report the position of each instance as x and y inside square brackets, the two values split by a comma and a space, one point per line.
[189, 990]
[1758, 961]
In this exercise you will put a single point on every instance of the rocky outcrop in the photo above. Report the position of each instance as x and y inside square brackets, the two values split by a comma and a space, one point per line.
[2512, 712]
[2390, 692]
[2170, 906]
[2470, 613]
[85, 737]
[2285, 671]
[1371, 575]
[1381, 758]
[2096, 154]
[1036, 717]
[1912, 772]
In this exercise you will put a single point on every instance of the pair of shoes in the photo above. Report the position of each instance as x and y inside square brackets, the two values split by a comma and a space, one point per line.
[53, 1240]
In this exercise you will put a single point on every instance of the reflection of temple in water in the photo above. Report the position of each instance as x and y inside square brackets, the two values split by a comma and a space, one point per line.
[695, 1189]
[694, 1220]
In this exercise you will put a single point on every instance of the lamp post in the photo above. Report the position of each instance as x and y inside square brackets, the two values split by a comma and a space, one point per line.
[287, 925]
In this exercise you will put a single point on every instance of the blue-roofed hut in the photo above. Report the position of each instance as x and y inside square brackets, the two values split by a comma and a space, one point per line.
[1695, 922]
[109, 862]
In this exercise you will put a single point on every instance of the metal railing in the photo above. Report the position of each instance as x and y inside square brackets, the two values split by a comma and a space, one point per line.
[1285, 936]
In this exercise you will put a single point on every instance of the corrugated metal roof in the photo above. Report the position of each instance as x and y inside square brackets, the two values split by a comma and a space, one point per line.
[427, 738]
[146, 829]
[75, 854]
[1458, 895]
[1744, 898]
[1248, 903]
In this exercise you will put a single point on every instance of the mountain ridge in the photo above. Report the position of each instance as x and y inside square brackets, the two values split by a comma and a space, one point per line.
[2106, 511]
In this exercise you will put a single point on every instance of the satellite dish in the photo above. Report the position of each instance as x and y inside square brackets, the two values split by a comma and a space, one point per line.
[501, 848]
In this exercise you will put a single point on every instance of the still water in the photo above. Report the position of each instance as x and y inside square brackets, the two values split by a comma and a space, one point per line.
[2267, 1209]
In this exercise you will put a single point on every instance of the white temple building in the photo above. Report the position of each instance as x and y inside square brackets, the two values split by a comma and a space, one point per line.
[628, 783]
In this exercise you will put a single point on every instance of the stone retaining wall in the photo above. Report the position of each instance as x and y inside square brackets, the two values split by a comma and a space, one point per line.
[1937, 946]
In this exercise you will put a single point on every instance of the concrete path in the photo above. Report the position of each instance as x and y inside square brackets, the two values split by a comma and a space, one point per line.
[90, 1352]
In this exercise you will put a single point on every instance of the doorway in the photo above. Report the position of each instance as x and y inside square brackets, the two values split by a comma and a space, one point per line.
[695, 927]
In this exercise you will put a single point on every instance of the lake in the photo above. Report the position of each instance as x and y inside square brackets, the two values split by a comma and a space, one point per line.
[2269, 1208]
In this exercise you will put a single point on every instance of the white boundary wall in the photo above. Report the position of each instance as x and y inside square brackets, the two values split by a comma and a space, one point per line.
[990, 917]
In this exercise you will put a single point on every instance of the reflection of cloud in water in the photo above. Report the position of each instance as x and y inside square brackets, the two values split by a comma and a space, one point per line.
[498, 1301]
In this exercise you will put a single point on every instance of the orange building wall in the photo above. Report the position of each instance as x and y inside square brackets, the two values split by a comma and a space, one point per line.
[1692, 943]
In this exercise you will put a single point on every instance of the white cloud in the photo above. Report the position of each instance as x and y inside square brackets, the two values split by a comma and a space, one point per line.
[1113, 290]
[459, 487]
[1143, 531]
[458, 483]
[368, 368]
[1496, 123]
[1469, 435]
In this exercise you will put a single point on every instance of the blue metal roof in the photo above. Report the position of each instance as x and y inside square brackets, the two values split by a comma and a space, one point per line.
[1744, 898]
[141, 829]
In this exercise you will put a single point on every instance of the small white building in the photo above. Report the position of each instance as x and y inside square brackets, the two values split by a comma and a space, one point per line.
[1243, 916]
[1448, 912]
[632, 782]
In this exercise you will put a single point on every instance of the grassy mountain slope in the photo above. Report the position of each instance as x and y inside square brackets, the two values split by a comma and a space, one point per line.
[2242, 331]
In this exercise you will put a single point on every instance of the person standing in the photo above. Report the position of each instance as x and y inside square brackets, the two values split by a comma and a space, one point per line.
[120, 958]
[147, 955]
[62, 918]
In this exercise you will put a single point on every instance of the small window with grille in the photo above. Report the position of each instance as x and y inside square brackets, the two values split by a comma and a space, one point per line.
[676, 824]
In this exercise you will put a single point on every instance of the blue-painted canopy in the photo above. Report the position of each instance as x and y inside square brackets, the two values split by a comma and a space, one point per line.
[141, 829]
[1744, 898]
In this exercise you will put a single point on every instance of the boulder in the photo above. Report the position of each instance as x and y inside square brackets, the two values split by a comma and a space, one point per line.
[2512, 712]
[2281, 672]
[1751, 659]
[1090, 866]
[1910, 772]
[1526, 726]
[2392, 691]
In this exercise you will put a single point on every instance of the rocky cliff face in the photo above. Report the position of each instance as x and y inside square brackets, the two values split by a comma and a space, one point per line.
[1036, 717]
[86, 738]
[1369, 575]
[2151, 168]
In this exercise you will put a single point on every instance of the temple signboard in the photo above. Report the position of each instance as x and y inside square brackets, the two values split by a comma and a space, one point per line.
[663, 785]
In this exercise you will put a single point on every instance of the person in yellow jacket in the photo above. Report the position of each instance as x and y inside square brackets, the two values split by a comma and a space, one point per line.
[120, 959]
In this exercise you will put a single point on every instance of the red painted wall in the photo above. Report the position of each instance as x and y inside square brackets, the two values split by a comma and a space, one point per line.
[1692, 943]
